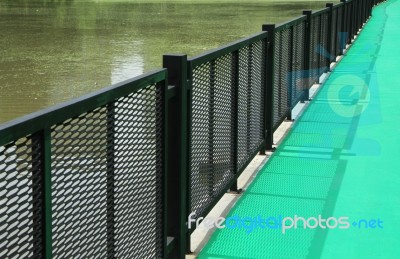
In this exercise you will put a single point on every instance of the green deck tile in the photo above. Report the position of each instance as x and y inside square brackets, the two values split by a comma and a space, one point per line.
[341, 158]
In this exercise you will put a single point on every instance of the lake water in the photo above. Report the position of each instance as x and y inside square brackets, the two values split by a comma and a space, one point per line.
[52, 51]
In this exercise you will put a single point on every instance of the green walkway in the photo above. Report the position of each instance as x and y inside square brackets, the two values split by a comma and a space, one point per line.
[341, 158]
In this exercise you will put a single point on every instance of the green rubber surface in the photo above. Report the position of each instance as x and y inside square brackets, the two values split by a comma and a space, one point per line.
[341, 158]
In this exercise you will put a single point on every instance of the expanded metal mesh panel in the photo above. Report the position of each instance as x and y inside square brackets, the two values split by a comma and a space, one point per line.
[282, 69]
[324, 48]
[314, 49]
[138, 174]
[79, 185]
[251, 101]
[211, 136]
[19, 204]
[298, 80]
[106, 180]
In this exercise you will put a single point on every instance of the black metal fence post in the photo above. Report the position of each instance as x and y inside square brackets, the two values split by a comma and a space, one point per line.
[290, 73]
[351, 21]
[363, 3]
[357, 10]
[330, 39]
[367, 11]
[266, 106]
[42, 218]
[366, 7]
[369, 7]
[360, 9]
[363, 12]
[355, 18]
[177, 183]
[110, 180]
[269, 86]
[307, 57]
[319, 66]
[211, 129]
[355, 14]
[343, 30]
[235, 114]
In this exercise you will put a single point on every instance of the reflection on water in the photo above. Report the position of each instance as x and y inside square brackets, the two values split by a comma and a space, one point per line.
[128, 65]
[52, 51]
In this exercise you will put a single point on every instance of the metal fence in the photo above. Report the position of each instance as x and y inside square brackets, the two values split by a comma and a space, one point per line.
[302, 50]
[117, 173]
[85, 179]
[289, 77]
[226, 117]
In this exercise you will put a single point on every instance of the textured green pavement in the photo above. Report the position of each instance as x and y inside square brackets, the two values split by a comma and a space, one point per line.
[341, 158]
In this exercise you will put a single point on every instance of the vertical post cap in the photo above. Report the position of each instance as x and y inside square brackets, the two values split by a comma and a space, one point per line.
[268, 27]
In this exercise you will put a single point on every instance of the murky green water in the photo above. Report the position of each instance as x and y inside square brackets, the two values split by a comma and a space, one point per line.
[52, 51]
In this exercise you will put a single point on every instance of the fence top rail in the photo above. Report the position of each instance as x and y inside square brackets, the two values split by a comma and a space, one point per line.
[338, 5]
[34, 122]
[219, 52]
[290, 23]
[320, 12]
